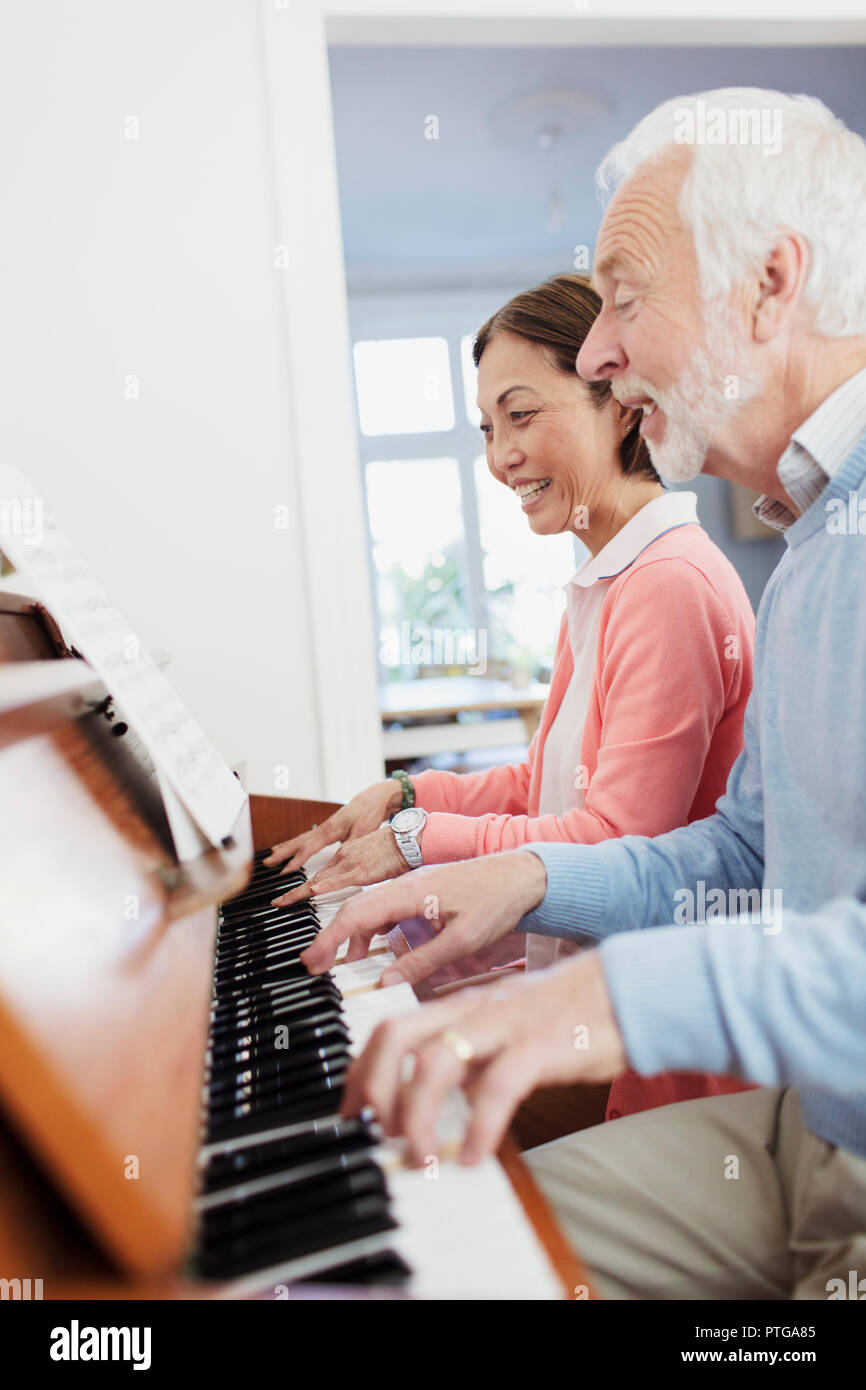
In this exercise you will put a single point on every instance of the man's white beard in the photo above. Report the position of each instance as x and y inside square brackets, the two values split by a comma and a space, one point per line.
[696, 407]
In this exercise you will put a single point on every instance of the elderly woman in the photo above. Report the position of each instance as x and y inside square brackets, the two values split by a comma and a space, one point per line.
[653, 665]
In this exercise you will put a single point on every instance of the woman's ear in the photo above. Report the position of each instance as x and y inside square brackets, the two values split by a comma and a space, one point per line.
[628, 418]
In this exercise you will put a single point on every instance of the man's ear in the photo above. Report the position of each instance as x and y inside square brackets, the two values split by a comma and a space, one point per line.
[780, 287]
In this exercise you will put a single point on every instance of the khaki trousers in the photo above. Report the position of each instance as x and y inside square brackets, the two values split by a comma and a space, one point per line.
[727, 1197]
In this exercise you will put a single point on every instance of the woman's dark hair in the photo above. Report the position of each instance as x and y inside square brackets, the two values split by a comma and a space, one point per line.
[558, 315]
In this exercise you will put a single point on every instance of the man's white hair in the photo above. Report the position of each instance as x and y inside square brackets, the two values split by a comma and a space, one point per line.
[738, 194]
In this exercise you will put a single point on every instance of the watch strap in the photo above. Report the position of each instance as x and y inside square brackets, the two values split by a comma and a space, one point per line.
[409, 848]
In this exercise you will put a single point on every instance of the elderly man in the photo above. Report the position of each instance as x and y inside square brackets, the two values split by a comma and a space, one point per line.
[734, 313]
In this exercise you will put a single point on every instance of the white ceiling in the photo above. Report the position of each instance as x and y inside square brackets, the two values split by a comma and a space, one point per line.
[466, 210]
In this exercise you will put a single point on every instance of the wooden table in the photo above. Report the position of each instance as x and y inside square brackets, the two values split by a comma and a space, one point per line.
[442, 699]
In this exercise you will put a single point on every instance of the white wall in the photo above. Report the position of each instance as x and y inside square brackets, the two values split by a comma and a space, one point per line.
[153, 257]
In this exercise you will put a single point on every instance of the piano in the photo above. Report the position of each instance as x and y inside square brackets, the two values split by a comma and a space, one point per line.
[170, 1075]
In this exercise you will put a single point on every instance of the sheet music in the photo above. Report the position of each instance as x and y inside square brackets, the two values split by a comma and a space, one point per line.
[90, 622]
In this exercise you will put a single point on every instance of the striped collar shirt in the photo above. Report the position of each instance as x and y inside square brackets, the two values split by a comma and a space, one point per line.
[816, 451]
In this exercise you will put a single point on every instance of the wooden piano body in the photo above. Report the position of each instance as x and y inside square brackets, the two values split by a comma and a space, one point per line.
[106, 961]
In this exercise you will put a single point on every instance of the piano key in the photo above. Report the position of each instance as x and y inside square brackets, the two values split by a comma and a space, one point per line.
[266, 1084]
[333, 1135]
[232, 1205]
[313, 1193]
[309, 1101]
[268, 1041]
[281, 1007]
[289, 1188]
[267, 1030]
[277, 1134]
[345, 1233]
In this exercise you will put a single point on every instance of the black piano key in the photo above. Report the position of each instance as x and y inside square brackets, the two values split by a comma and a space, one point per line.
[224, 1072]
[261, 914]
[250, 1065]
[313, 1182]
[294, 942]
[263, 1045]
[317, 1186]
[250, 1034]
[323, 1202]
[307, 1103]
[259, 882]
[308, 1077]
[365, 1216]
[263, 937]
[260, 963]
[318, 986]
[268, 1087]
[259, 1014]
[264, 934]
[259, 905]
[258, 914]
[262, 966]
[335, 1135]
[380, 1269]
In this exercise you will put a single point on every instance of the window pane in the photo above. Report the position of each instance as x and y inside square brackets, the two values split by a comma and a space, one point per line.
[470, 379]
[404, 386]
[416, 523]
[523, 576]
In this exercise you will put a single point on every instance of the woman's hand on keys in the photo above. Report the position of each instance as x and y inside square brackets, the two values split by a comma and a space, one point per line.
[363, 814]
[372, 859]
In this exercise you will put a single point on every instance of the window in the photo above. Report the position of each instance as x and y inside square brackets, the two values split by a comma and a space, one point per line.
[523, 578]
[404, 386]
[470, 380]
[416, 527]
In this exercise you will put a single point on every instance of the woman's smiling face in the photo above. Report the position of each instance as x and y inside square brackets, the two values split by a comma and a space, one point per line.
[545, 438]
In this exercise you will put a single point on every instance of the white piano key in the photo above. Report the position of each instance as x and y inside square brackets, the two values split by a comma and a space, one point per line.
[378, 944]
[365, 1011]
[464, 1234]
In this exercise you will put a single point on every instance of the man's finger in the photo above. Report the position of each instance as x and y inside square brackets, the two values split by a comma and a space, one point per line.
[382, 906]
[321, 953]
[503, 1083]
[438, 1070]
[375, 1077]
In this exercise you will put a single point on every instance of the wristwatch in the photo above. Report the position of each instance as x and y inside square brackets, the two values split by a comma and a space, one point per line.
[407, 825]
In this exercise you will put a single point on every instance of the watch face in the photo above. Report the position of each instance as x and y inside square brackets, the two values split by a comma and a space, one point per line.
[406, 821]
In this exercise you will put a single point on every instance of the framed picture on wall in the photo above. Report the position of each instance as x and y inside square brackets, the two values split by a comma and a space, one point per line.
[747, 527]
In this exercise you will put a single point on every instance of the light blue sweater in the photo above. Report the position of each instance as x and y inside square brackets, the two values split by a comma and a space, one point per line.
[783, 1001]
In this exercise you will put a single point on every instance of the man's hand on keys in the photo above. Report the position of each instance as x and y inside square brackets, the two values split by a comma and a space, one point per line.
[471, 906]
[498, 1042]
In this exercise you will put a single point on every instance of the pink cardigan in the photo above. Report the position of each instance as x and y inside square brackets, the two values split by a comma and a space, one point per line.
[664, 725]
